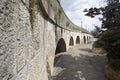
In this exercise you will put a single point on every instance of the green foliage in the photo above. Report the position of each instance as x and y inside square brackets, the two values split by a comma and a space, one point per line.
[51, 2]
[111, 16]
[58, 11]
[96, 32]
[109, 40]
[33, 7]
[63, 18]
[112, 1]
[114, 64]
[111, 22]
[98, 44]
[67, 23]
[32, 10]
[92, 12]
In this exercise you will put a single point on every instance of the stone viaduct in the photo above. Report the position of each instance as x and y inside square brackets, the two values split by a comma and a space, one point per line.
[32, 32]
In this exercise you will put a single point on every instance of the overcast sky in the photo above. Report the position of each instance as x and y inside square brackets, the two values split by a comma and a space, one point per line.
[74, 10]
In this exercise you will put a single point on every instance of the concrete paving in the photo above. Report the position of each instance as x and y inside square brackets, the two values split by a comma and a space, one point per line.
[79, 63]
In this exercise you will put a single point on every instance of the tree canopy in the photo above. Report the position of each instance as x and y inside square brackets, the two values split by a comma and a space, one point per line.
[109, 39]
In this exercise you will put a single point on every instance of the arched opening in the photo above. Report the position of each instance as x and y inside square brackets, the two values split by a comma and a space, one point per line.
[84, 40]
[71, 43]
[87, 39]
[61, 46]
[78, 40]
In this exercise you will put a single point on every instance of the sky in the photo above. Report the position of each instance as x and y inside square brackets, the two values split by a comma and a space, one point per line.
[74, 10]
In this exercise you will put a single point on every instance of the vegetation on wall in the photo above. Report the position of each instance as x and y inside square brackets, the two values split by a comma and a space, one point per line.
[67, 23]
[32, 10]
[51, 1]
[63, 18]
[58, 11]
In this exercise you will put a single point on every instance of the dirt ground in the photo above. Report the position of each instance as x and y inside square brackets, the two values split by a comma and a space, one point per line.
[79, 63]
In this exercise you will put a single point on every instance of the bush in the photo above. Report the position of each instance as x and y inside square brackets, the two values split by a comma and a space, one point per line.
[98, 44]
[114, 64]
[110, 41]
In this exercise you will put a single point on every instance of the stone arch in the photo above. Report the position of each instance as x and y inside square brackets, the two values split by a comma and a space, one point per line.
[84, 39]
[87, 39]
[61, 46]
[78, 40]
[71, 42]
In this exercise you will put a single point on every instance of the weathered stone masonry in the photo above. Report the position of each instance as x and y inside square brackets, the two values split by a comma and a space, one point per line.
[29, 33]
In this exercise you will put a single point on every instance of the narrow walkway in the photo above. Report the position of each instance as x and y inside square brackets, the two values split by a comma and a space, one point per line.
[80, 64]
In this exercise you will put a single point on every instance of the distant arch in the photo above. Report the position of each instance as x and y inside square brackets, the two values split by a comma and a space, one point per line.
[84, 39]
[78, 40]
[61, 46]
[87, 37]
[71, 42]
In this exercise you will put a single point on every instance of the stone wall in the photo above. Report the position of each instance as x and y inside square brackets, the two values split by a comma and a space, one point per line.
[8, 40]
[29, 32]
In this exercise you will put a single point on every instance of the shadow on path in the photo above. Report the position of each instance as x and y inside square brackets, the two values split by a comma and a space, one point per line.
[82, 67]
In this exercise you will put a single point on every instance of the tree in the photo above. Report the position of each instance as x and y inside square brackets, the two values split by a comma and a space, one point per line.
[109, 39]
[92, 12]
[111, 14]
[96, 32]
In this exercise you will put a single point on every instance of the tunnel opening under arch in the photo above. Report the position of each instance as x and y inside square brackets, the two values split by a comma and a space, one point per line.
[71, 42]
[84, 39]
[61, 47]
[87, 39]
[78, 40]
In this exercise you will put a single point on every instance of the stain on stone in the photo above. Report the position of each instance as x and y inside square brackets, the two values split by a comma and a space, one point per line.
[18, 39]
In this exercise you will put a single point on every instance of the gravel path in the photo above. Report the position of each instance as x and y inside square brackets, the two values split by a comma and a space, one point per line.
[80, 64]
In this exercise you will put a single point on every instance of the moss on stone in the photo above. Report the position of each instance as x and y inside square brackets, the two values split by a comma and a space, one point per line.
[33, 7]
[67, 23]
[33, 10]
[58, 11]
[51, 1]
